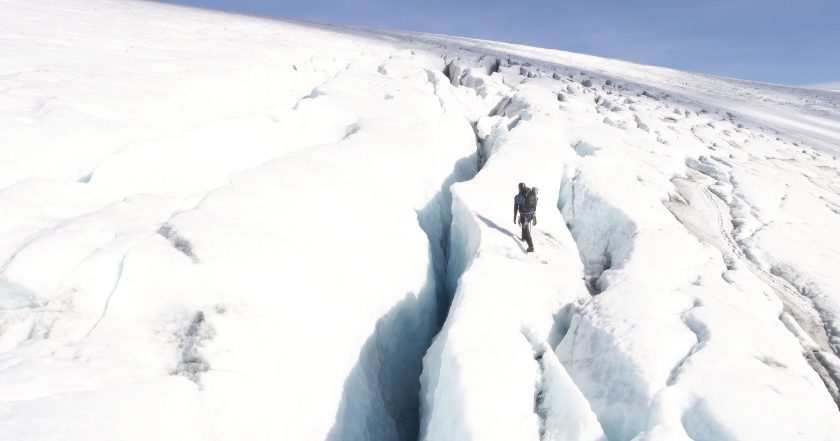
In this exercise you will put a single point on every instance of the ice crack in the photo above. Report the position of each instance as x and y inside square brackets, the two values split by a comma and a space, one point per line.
[120, 270]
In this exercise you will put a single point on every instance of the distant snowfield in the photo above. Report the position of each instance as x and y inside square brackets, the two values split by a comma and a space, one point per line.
[220, 227]
[832, 86]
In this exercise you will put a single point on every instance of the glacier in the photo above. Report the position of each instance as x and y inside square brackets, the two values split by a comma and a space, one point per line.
[226, 227]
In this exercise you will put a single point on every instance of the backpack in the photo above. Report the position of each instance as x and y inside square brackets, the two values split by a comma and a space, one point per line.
[529, 204]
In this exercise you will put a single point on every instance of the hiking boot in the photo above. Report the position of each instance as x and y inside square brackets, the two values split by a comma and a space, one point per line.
[530, 250]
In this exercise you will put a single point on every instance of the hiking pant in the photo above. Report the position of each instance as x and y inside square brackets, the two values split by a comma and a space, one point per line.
[525, 222]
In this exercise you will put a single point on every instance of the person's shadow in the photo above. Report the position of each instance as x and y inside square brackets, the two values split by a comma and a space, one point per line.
[501, 229]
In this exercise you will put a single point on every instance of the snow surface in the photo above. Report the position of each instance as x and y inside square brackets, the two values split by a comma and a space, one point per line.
[228, 227]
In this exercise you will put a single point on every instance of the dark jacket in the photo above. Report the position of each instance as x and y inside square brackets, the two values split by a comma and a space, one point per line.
[518, 200]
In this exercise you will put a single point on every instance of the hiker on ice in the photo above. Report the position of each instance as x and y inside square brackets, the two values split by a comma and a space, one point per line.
[526, 204]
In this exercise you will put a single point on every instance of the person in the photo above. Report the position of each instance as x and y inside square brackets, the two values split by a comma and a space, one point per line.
[525, 204]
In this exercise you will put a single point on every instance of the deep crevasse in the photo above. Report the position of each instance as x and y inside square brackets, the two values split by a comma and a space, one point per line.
[264, 251]
[491, 373]
[653, 355]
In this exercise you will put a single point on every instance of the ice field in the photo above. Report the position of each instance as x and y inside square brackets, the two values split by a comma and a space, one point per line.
[223, 227]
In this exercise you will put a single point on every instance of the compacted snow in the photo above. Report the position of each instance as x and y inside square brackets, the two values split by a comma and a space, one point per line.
[218, 227]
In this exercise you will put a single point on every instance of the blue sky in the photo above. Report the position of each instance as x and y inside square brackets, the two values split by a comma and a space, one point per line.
[788, 42]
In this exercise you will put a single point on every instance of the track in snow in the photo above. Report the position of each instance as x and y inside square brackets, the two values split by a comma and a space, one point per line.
[804, 317]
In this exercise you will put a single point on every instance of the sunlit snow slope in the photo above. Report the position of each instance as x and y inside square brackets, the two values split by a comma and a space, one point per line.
[218, 227]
